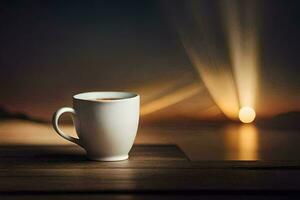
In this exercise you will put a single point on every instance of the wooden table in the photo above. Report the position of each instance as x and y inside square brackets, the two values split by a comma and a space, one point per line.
[153, 171]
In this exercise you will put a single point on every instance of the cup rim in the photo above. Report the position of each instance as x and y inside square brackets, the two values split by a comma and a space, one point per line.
[88, 96]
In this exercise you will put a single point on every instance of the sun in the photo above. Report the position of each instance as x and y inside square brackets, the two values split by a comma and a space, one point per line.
[247, 114]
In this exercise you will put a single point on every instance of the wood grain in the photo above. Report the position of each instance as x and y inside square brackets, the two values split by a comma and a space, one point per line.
[151, 169]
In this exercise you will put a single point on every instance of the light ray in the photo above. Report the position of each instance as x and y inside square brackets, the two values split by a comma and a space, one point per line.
[218, 82]
[231, 84]
[242, 41]
[171, 98]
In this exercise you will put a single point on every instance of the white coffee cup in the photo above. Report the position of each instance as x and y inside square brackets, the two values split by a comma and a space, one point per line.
[106, 127]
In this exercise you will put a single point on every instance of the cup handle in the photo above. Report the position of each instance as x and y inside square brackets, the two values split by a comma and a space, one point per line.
[55, 120]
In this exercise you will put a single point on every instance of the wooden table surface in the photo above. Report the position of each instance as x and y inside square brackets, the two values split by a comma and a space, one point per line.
[157, 170]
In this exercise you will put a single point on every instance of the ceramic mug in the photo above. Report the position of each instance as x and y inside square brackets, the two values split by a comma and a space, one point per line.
[106, 123]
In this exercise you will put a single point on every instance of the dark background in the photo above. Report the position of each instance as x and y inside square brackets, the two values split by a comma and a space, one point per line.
[50, 50]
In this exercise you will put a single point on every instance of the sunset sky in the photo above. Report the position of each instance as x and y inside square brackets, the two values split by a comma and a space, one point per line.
[50, 50]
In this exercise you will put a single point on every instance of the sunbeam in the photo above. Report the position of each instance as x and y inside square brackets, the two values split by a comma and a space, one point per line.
[226, 62]
[241, 29]
[170, 98]
[218, 82]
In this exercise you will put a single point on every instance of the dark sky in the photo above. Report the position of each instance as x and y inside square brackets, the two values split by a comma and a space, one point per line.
[50, 50]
